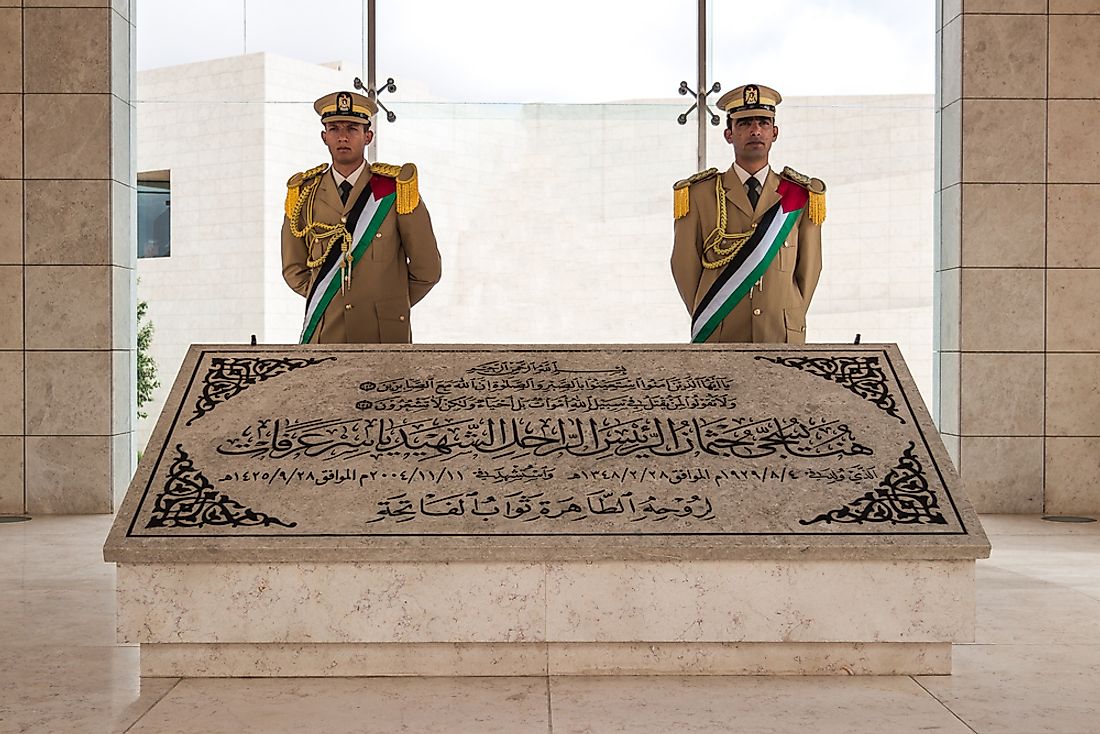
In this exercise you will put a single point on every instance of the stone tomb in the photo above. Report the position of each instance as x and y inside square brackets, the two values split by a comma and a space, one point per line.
[572, 510]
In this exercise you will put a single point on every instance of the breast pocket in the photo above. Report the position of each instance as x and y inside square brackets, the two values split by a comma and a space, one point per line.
[383, 246]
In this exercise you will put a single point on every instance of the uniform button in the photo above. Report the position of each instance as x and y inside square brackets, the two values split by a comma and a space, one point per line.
[347, 306]
[803, 328]
[378, 236]
[343, 220]
[786, 244]
[400, 318]
[756, 312]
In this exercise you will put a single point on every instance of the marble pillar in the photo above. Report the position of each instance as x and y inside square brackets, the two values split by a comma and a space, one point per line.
[1018, 256]
[67, 196]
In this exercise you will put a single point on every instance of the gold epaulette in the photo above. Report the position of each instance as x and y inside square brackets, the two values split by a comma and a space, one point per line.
[680, 199]
[816, 188]
[294, 187]
[408, 191]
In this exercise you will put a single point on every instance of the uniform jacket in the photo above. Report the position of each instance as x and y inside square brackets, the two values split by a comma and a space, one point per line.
[398, 270]
[776, 310]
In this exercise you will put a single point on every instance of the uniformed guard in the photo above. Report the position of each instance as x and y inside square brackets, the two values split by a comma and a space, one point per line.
[747, 250]
[357, 239]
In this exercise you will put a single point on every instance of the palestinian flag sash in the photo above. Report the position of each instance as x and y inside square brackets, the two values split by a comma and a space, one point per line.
[364, 219]
[750, 263]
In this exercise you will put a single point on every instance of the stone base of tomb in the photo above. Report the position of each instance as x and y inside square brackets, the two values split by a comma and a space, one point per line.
[752, 617]
[376, 510]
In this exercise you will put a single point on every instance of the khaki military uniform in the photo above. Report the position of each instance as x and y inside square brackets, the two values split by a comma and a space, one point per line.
[400, 267]
[775, 309]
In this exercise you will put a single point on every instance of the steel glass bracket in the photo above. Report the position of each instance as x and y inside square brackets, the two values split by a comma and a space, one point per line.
[390, 87]
[700, 99]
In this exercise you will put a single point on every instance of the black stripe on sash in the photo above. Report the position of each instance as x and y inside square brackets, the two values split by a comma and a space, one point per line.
[333, 259]
[742, 255]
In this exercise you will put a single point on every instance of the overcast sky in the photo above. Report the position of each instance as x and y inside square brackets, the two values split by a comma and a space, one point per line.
[567, 50]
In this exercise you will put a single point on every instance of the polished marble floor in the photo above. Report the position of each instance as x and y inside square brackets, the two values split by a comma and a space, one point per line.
[1034, 667]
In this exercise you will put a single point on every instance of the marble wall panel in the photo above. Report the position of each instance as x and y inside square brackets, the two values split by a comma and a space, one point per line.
[950, 376]
[1073, 310]
[1072, 475]
[11, 50]
[120, 54]
[69, 394]
[123, 458]
[1073, 145]
[1074, 56]
[65, 222]
[1009, 60]
[949, 305]
[11, 475]
[1073, 395]
[68, 307]
[68, 3]
[11, 393]
[11, 136]
[11, 213]
[77, 57]
[949, 11]
[1002, 309]
[66, 475]
[123, 310]
[123, 162]
[54, 148]
[1004, 6]
[950, 250]
[1001, 395]
[1003, 225]
[951, 138]
[952, 69]
[989, 125]
[953, 444]
[123, 225]
[1075, 6]
[1073, 219]
[123, 390]
[11, 307]
[1003, 475]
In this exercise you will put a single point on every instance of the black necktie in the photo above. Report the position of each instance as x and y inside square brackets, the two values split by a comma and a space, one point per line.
[345, 189]
[753, 188]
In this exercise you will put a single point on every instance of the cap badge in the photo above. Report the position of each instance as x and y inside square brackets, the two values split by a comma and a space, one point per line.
[752, 94]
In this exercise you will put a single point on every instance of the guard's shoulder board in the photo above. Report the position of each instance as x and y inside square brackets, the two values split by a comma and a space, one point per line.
[816, 189]
[298, 179]
[680, 199]
[296, 183]
[408, 190]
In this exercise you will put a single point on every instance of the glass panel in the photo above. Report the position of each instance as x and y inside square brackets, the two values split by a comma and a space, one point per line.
[170, 32]
[857, 79]
[569, 51]
[154, 219]
[547, 144]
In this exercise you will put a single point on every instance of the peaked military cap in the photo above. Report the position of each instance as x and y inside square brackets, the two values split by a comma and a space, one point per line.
[750, 100]
[345, 107]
